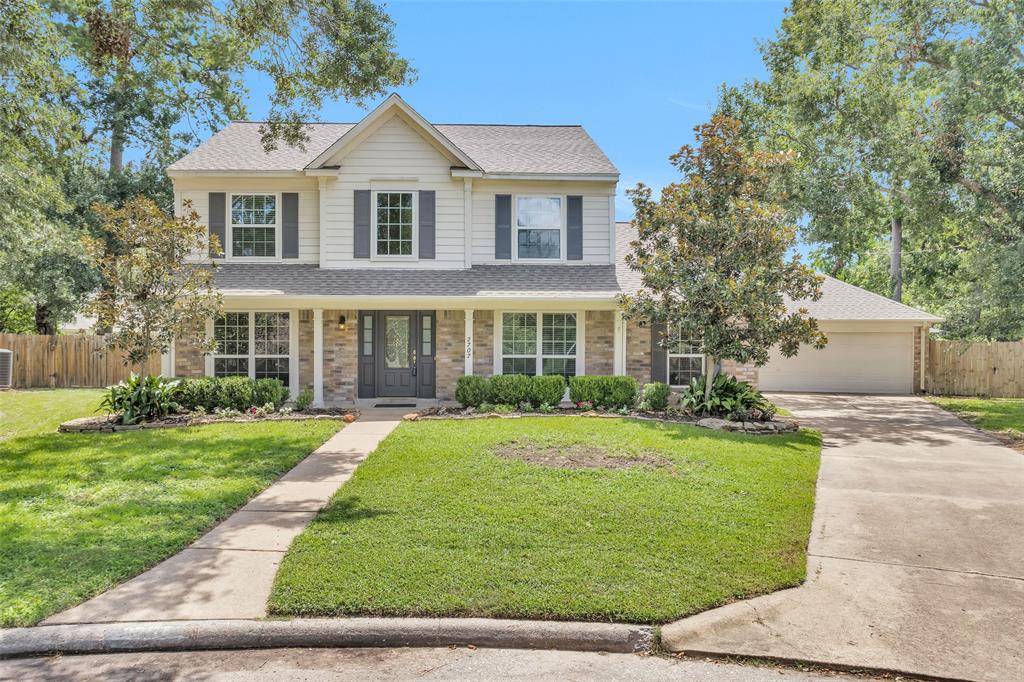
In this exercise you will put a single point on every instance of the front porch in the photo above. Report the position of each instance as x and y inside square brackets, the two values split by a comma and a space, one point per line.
[413, 356]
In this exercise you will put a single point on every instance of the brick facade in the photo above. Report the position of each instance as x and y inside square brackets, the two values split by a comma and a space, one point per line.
[483, 342]
[599, 342]
[340, 370]
[449, 353]
[744, 372]
[189, 360]
[638, 352]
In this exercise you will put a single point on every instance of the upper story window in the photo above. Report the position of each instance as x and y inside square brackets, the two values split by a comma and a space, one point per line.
[395, 218]
[539, 227]
[253, 225]
[685, 361]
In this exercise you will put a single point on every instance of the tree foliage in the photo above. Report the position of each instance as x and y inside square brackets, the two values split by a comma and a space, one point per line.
[712, 252]
[907, 119]
[154, 291]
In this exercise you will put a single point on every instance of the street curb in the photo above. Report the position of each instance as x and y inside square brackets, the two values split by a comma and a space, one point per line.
[96, 638]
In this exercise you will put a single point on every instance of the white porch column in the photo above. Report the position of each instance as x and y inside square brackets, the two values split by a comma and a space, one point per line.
[468, 354]
[318, 357]
[619, 345]
[293, 359]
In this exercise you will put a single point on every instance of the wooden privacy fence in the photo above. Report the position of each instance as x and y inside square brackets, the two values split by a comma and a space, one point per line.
[66, 361]
[993, 369]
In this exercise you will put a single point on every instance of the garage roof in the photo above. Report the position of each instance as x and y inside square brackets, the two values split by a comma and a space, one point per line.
[839, 300]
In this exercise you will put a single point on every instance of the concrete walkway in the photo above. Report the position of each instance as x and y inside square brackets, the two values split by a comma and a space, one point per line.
[228, 572]
[916, 558]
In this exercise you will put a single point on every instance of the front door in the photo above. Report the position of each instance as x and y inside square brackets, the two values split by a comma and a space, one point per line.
[397, 357]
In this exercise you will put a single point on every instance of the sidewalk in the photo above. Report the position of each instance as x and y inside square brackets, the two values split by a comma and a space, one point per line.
[228, 573]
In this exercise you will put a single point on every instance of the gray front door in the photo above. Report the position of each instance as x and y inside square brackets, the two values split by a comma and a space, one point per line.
[396, 361]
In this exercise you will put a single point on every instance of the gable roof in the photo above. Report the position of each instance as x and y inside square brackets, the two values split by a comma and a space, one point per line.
[396, 103]
[839, 300]
[492, 149]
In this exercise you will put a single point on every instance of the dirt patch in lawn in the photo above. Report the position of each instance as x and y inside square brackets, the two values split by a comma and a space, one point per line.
[579, 457]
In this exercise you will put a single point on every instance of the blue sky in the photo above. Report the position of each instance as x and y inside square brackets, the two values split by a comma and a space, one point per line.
[637, 75]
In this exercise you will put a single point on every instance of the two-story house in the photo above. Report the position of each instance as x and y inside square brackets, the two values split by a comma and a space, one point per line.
[393, 255]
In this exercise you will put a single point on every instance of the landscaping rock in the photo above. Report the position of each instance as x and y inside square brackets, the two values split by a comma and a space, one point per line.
[769, 427]
[411, 417]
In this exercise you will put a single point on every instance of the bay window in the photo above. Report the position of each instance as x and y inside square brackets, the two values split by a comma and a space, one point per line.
[538, 343]
[256, 345]
[539, 227]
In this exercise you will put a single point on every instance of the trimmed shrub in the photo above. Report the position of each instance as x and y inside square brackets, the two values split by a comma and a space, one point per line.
[656, 395]
[198, 392]
[611, 393]
[585, 389]
[619, 392]
[510, 389]
[235, 393]
[547, 390]
[472, 391]
[270, 391]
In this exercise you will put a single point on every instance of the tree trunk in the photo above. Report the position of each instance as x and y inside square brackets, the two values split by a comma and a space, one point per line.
[117, 141]
[710, 366]
[44, 325]
[896, 259]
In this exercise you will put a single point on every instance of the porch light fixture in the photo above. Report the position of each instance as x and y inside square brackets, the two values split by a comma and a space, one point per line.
[341, 323]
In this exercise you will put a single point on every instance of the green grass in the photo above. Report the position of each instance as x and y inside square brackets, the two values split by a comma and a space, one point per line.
[433, 523]
[1004, 416]
[80, 513]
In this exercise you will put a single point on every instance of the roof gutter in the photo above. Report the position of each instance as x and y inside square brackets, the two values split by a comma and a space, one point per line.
[566, 177]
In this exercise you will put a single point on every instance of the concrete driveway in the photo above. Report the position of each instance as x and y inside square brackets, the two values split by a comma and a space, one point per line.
[916, 557]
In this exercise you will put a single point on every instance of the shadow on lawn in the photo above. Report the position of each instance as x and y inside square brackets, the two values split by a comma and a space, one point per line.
[85, 511]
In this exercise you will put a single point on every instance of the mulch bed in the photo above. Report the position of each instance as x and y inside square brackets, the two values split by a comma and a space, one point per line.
[108, 423]
[758, 428]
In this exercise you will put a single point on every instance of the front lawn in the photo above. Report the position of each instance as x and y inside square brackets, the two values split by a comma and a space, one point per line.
[447, 519]
[1004, 416]
[80, 513]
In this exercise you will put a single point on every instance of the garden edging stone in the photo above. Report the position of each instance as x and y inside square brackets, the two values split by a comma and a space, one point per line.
[93, 638]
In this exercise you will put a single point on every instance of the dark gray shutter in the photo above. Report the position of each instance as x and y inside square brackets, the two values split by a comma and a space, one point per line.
[361, 224]
[503, 226]
[659, 354]
[290, 225]
[574, 228]
[427, 222]
[216, 220]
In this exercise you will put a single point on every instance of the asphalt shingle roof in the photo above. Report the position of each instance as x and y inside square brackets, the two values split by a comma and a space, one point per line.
[839, 300]
[495, 148]
[500, 281]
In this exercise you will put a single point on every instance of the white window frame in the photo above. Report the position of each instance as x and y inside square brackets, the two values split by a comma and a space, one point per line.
[669, 355]
[561, 230]
[499, 332]
[415, 256]
[229, 229]
[252, 356]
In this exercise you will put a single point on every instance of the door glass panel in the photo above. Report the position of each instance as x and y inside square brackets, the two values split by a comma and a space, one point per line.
[427, 335]
[396, 341]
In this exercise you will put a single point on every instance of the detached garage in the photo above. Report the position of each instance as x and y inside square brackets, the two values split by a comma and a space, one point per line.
[874, 346]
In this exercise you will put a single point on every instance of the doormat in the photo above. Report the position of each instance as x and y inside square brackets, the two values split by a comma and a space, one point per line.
[395, 405]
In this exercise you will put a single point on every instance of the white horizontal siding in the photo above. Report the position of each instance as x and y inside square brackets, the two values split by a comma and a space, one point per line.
[393, 150]
[596, 217]
[309, 210]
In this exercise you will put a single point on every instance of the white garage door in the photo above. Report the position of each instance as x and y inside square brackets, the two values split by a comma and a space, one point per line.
[852, 362]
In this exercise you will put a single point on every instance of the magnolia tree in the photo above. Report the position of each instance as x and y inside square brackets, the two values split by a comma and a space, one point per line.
[712, 253]
[154, 292]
